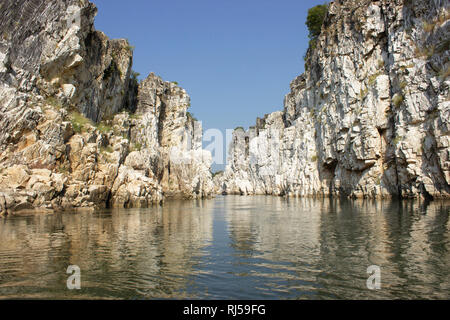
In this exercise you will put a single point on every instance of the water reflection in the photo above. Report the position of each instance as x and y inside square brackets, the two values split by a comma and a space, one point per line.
[122, 254]
[232, 248]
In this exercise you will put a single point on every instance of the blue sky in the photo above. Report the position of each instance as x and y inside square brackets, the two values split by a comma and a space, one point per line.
[234, 58]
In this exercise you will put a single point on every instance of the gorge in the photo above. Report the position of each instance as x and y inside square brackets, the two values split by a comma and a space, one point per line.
[368, 118]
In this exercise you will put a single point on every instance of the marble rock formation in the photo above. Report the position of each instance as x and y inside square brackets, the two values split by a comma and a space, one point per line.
[76, 128]
[370, 117]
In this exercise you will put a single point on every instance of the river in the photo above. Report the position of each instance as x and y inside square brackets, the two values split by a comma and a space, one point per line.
[232, 248]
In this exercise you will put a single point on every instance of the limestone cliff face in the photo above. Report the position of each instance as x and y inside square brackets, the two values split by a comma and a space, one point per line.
[175, 148]
[76, 129]
[50, 49]
[370, 117]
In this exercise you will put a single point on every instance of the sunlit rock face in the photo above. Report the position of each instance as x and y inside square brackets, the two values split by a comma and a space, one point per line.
[51, 48]
[370, 117]
[175, 147]
[76, 128]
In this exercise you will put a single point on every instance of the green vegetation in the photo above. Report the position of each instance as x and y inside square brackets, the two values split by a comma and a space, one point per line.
[175, 83]
[134, 76]
[107, 149]
[312, 44]
[239, 128]
[129, 47]
[373, 78]
[55, 103]
[134, 116]
[79, 122]
[403, 84]
[397, 139]
[314, 22]
[357, 111]
[216, 173]
[64, 169]
[397, 100]
[111, 70]
[363, 94]
[103, 127]
[314, 158]
[136, 147]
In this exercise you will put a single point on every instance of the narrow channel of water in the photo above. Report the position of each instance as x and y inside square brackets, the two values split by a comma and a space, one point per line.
[232, 248]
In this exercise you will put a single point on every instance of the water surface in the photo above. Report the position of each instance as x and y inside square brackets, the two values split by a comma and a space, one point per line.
[232, 248]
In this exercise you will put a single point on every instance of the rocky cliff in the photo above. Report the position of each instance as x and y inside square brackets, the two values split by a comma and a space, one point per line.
[76, 127]
[370, 117]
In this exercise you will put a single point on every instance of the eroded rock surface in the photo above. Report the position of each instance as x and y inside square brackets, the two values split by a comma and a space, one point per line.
[370, 117]
[76, 128]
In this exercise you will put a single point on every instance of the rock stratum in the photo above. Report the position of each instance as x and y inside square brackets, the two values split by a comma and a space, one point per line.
[370, 117]
[76, 128]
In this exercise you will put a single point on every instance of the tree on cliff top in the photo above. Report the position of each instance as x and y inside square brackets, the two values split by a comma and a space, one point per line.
[314, 21]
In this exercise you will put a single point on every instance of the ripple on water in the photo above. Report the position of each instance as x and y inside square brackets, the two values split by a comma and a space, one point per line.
[232, 248]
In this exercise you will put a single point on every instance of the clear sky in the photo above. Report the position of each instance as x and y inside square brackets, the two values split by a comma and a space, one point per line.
[234, 58]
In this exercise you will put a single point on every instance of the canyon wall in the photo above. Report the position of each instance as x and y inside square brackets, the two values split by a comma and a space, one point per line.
[370, 117]
[76, 127]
